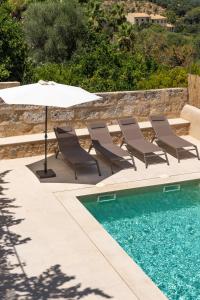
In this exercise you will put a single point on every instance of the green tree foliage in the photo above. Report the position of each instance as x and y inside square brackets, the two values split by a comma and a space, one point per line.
[193, 16]
[17, 7]
[120, 56]
[53, 29]
[176, 77]
[105, 19]
[180, 7]
[90, 44]
[183, 13]
[12, 47]
[108, 60]
[100, 70]
[192, 20]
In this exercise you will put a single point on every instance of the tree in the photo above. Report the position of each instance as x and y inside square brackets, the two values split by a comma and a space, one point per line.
[116, 55]
[13, 50]
[192, 20]
[19, 6]
[180, 7]
[53, 29]
[126, 37]
[193, 16]
[105, 19]
[176, 77]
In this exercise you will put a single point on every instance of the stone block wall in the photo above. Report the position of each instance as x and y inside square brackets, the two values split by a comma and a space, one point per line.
[12, 151]
[33, 148]
[19, 120]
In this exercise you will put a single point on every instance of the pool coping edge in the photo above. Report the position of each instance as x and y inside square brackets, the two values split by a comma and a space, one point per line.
[134, 277]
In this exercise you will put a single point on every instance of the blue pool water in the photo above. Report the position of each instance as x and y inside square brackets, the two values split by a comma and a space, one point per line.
[160, 231]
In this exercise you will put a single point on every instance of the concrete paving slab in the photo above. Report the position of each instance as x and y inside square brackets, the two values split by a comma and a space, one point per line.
[56, 238]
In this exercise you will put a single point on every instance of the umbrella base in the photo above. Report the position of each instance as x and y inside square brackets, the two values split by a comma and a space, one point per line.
[48, 174]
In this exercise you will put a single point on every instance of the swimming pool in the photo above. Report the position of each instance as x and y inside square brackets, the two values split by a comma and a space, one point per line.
[159, 228]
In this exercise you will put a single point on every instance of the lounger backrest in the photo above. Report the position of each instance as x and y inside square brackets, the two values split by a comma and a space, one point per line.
[161, 126]
[99, 132]
[130, 129]
[66, 137]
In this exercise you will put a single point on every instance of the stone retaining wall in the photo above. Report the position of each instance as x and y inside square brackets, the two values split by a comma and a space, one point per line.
[37, 147]
[19, 120]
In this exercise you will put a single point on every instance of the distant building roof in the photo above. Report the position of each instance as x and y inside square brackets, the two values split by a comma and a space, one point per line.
[157, 17]
[138, 15]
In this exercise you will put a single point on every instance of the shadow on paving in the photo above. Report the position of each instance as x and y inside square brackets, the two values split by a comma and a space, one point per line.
[14, 283]
[86, 175]
[183, 155]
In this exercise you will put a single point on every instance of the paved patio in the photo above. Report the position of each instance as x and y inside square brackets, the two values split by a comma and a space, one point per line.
[56, 250]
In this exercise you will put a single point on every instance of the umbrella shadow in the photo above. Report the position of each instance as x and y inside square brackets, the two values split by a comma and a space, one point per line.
[86, 175]
[15, 284]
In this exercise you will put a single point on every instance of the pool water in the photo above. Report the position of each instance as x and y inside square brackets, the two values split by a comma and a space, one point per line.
[160, 231]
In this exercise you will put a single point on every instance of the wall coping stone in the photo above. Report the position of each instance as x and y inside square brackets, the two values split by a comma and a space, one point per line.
[83, 132]
[141, 91]
[9, 84]
[192, 114]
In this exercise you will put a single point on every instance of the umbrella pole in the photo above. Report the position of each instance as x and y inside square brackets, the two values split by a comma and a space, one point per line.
[45, 137]
[46, 173]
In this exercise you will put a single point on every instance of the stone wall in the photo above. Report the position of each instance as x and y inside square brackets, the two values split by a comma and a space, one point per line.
[19, 120]
[27, 149]
[12, 151]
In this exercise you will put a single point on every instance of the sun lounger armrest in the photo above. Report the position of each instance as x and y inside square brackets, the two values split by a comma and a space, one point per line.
[63, 130]
[128, 121]
[97, 125]
[157, 118]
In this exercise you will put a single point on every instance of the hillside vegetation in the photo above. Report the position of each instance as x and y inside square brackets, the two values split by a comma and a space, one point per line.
[185, 14]
[89, 43]
[137, 6]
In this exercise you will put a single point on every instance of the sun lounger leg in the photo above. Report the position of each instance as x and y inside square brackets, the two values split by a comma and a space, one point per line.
[166, 157]
[111, 167]
[98, 168]
[197, 152]
[90, 148]
[75, 173]
[177, 155]
[57, 152]
[122, 143]
[133, 161]
[146, 162]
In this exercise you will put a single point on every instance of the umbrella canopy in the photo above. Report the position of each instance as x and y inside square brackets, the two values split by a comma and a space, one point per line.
[47, 94]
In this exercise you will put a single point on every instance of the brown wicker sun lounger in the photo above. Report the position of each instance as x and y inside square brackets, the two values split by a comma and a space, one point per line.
[135, 141]
[103, 144]
[71, 150]
[167, 138]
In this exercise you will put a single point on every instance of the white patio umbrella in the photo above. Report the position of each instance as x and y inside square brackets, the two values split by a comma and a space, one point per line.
[47, 93]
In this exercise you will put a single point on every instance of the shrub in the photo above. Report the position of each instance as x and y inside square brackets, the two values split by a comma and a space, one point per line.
[13, 49]
[53, 29]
